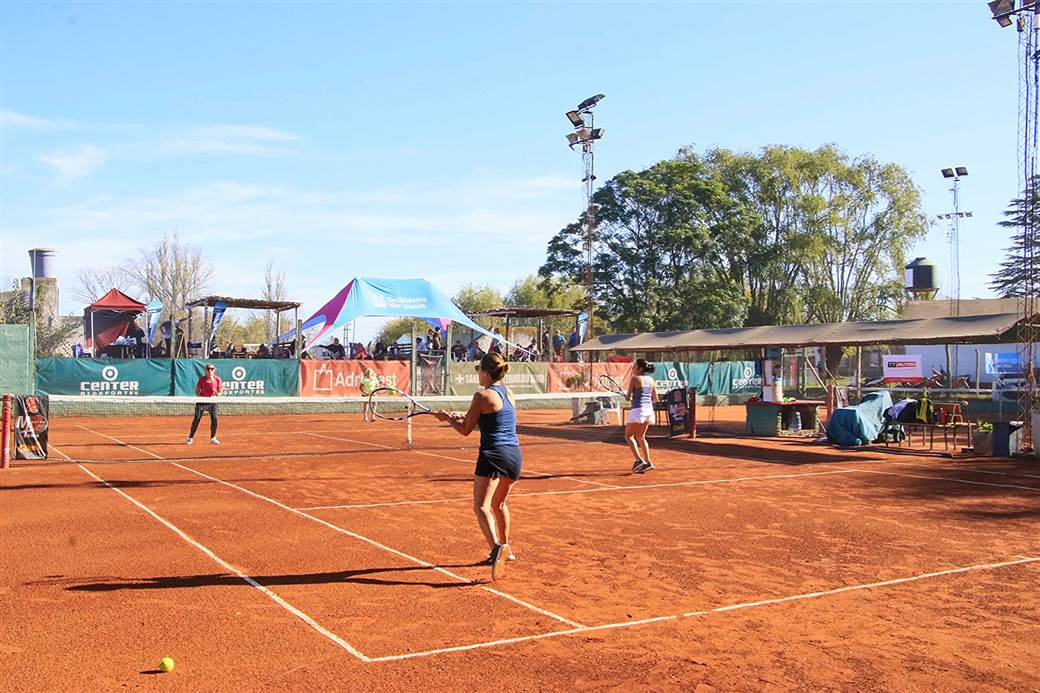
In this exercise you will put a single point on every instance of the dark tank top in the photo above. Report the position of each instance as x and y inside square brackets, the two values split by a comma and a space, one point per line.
[498, 428]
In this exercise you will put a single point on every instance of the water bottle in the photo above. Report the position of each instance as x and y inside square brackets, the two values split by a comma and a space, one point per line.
[796, 421]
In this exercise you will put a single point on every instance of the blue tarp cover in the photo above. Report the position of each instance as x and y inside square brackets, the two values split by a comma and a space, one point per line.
[859, 425]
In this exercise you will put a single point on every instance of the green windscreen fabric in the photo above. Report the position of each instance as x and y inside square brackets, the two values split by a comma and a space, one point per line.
[103, 377]
[241, 377]
[15, 360]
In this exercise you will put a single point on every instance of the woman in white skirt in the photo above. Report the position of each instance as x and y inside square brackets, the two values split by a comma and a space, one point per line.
[642, 393]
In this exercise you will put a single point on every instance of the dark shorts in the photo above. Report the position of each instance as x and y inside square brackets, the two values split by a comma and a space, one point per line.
[503, 461]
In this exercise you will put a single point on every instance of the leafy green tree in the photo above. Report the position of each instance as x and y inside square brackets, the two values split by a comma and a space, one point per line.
[398, 327]
[53, 335]
[471, 298]
[659, 260]
[1011, 279]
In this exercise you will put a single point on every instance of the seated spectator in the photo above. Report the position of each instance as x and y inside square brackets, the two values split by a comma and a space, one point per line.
[336, 349]
[435, 340]
[264, 352]
[134, 332]
[380, 351]
[421, 347]
[360, 352]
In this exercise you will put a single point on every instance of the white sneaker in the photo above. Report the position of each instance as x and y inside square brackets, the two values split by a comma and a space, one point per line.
[189, 441]
[214, 441]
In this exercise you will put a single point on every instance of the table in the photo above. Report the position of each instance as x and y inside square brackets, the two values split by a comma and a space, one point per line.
[774, 418]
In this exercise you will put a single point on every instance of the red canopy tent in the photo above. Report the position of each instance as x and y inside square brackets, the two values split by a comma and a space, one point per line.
[108, 318]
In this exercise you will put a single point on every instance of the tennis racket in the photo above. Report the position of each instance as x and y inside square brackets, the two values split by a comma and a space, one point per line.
[611, 385]
[390, 404]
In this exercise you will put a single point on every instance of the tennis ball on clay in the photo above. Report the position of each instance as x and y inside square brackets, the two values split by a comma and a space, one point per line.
[166, 664]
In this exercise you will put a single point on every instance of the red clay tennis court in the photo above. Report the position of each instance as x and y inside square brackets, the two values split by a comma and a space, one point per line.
[316, 552]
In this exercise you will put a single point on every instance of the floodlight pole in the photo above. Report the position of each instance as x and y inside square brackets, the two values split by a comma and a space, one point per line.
[1026, 18]
[586, 134]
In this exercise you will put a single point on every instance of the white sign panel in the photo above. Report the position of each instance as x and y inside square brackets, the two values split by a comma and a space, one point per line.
[902, 367]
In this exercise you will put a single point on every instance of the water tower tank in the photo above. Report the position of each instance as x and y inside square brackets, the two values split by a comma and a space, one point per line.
[42, 260]
[922, 279]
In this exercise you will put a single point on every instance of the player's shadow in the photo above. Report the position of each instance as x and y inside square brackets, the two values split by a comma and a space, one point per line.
[363, 576]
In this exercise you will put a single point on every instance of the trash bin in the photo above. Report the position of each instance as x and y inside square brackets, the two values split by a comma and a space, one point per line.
[1007, 437]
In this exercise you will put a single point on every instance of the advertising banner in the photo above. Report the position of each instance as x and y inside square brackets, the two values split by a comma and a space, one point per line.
[103, 377]
[30, 428]
[240, 377]
[1003, 363]
[523, 378]
[584, 377]
[343, 378]
[902, 368]
[680, 423]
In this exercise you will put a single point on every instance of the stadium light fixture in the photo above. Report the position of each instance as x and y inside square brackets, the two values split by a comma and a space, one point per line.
[597, 133]
[961, 171]
[1001, 11]
[590, 102]
[572, 139]
[947, 173]
[576, 119]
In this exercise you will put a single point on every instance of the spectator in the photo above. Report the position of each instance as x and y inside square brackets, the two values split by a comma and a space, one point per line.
[546, 344]
[474, 352]
[458, 352]
[380, 351]
[336, 349]
[435, 340]
[496, 342]
[421, 347]
[557, 343]
[134, 332]
[264, 352]
[572, 343]
[360, 352]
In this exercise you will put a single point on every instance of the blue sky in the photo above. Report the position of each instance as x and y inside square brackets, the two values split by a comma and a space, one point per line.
[426, 139]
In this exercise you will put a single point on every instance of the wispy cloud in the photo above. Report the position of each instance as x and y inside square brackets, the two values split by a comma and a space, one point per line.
[72, 165]
[235, 139]
[9, 117]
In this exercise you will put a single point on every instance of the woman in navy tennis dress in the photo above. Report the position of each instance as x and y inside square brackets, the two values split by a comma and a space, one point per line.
[499, 462]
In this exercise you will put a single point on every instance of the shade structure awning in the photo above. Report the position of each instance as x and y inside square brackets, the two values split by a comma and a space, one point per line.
[973, 329]
[250, 303]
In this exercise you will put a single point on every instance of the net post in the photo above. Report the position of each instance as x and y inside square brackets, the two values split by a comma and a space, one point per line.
[5, 435]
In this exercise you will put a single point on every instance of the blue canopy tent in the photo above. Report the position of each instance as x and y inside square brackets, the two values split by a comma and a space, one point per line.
[391, 298]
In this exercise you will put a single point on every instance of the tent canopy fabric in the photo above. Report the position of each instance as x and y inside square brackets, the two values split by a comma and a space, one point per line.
[392, 298]
[117, 300]
[972, 329]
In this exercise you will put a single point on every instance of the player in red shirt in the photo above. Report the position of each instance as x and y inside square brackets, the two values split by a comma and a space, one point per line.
[208, 385]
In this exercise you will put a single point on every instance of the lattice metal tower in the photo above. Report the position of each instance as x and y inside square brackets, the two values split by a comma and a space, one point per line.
[585, 135]
[1028, 103]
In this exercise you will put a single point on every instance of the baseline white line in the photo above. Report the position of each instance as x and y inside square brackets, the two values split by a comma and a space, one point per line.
[699, 482]
[373, 542]
[946, 478]
[708, 612]
[449, 457]
[232, 569]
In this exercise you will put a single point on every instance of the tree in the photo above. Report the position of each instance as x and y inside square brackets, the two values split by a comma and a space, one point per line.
[659, 260]
[52, 335]
[471, 298]
[250, 330]
[274, 290]
[171, 271]
[396, 328]
[1023, 218]
[95, 282]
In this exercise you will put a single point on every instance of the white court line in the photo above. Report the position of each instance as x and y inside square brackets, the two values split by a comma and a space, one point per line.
[232, 569]
[373, 542]
[1034, 489]
[967, 469]
[700, 482]
[449, 457]
[708, 612]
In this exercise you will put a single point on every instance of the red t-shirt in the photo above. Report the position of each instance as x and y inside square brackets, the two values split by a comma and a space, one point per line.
[205, 388]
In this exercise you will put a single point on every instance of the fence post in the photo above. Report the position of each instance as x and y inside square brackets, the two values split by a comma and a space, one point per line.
[5, 435]
[692, 404]
[830, 401]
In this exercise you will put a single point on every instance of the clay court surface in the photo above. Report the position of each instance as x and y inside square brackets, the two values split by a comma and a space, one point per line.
[315, 553]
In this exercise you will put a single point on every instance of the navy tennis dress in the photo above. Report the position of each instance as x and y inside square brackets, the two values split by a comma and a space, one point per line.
[499, 446]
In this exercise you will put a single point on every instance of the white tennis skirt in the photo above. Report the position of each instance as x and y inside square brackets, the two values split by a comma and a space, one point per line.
[640, 416]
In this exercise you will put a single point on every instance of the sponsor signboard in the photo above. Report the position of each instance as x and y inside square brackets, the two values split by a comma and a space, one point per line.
[522, 378]
[343, 378]
[680, 421]
[584, 377]
[103, 377]
[30, 429]
[241, 377]
[902, 368]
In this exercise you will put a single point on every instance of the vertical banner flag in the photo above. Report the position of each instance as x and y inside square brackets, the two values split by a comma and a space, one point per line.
[583, 324]
[679, 419]
[30, 432]
[218, 314]
[152, 311]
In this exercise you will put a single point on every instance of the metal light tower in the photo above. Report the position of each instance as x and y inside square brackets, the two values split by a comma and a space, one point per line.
[954, 235]
[585, 135]
[1026, 18]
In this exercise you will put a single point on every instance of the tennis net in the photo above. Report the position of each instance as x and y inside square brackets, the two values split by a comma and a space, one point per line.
[109, 429]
